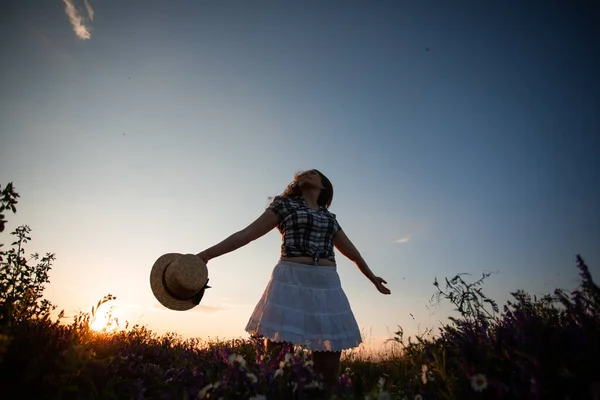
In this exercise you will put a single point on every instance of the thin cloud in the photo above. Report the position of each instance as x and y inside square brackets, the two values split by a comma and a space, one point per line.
[90, 10]
[403, 239]
[78, 21]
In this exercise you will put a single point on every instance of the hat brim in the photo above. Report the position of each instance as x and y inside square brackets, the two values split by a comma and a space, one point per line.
[158, 289]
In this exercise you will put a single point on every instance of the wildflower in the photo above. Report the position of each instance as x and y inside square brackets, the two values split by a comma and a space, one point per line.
[233, 358]
[383, 395]
[424, 374]
[278, 372]
[309, 363]
[418, 397]
[345, 380]
[479, 382]
[299, 351]
[258, 397]
[287, 358]
[314, 385]
[380, 383]
[204, 390]
[253, 378]
[430, 376]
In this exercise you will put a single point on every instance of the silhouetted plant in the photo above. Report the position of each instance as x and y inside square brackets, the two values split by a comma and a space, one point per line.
[8, 199]
[469, 299]
[21, 284]
[536, 348]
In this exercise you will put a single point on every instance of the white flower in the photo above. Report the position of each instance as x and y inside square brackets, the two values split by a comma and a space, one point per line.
[278, 372]
[383, 395]
[207, 388]
[253, 378]
[309, 363]
[233, 358]
[286, 360]
[418, 397]
[314, 385]
[380, 383]
[479, 382]
[204, 390]
[430, 376]
[299, 351]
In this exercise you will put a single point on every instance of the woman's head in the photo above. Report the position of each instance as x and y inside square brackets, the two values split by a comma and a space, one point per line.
[311, 179]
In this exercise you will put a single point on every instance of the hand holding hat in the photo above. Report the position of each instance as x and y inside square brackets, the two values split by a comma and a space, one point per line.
[178, 281]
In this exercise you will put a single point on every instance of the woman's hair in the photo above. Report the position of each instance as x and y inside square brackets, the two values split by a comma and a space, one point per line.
[325, 197]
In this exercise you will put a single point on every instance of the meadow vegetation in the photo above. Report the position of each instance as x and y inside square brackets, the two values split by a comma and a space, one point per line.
[533, 348]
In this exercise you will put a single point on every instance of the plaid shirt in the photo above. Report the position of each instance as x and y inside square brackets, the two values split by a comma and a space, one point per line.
[304, 231]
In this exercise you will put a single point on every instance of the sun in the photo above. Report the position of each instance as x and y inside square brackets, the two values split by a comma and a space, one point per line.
[100, 323]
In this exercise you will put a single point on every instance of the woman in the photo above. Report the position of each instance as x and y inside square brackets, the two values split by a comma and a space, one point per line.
[303, 302]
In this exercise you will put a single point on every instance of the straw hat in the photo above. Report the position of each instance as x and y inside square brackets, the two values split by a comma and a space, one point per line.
[178, 280]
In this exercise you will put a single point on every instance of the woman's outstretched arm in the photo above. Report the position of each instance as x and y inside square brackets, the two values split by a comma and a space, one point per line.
[263, 224]
[347, 248]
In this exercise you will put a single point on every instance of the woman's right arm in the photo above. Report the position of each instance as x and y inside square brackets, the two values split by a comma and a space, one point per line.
[262, 225]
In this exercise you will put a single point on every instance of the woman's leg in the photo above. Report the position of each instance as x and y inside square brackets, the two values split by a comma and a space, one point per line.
[327, 363]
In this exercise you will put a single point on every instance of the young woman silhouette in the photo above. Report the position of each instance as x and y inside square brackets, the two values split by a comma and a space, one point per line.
[303, 303]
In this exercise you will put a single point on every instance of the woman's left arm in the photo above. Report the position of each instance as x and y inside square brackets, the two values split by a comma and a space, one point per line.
[347, 248]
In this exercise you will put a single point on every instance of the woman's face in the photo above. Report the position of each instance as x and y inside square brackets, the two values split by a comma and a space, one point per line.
[309, 178]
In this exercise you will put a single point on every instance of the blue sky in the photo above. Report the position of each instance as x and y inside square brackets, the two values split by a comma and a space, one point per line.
[459, 136]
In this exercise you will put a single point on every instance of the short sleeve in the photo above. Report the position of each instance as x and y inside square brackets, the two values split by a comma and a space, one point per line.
[336, 225]
[279, 206]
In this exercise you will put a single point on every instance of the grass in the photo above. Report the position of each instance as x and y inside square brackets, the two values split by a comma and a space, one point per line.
[534, 348]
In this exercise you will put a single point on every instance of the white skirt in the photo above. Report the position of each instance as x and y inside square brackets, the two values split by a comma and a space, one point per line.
[305, 305]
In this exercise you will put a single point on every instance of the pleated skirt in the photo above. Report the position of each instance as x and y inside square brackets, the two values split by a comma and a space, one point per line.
[305, 305]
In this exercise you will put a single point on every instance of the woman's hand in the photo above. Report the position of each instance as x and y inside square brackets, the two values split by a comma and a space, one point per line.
[379, 285]
[203, 257]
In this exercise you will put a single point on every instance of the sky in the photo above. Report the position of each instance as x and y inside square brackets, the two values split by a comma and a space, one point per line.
[460, 137]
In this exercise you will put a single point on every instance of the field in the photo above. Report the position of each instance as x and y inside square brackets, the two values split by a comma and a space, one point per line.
[533, 348]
